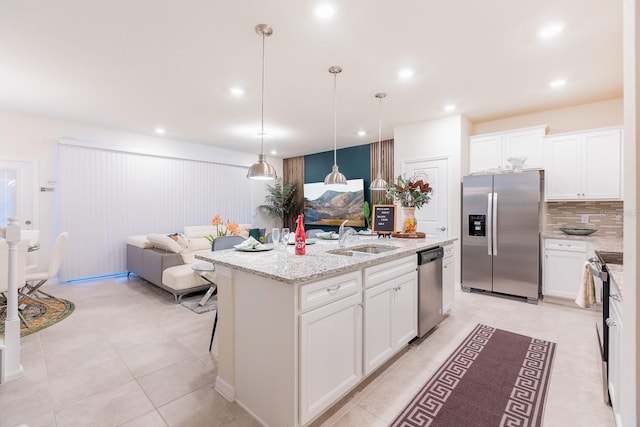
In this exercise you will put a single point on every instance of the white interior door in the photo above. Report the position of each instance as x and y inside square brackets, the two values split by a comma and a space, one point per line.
[432, 218]
[17, 191]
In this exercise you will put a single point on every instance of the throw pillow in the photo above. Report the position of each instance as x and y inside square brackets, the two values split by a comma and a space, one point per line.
[162, 241]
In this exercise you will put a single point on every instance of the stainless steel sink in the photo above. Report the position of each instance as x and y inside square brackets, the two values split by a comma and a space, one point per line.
[363, 250]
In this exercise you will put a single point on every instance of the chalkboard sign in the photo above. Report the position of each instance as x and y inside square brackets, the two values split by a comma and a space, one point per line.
[384, 219]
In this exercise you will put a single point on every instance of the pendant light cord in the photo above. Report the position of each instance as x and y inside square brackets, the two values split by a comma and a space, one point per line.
[335, 122]
[380, 133]
[262, 107]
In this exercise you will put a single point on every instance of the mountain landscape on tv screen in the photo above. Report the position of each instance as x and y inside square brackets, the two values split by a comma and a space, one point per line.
[333, 207]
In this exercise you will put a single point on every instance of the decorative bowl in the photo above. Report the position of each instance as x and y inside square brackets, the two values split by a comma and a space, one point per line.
[517, 162]
[578, 231]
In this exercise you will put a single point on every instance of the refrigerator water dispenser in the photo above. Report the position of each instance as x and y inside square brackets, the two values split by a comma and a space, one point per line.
[477, 225]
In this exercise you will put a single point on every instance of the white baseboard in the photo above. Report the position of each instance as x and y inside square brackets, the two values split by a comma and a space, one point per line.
[225, 389]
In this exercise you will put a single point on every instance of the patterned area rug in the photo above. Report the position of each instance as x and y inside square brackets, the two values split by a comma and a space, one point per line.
[39, 316]
[192, 302]
[494, 378]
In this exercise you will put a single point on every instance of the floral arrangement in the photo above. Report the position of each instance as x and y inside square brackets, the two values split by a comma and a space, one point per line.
[230, 228]
[410, 225]
[411, 192]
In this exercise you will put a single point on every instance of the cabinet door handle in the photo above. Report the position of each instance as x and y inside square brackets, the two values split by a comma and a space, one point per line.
[615, 297]
[333, 288]
[611, 323]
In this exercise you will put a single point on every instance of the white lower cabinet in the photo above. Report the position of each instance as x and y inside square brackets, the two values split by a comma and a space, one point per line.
[390, 312]
[343, 328]
[563, 267]
[614, 322]
[330, 354]
[448, 278]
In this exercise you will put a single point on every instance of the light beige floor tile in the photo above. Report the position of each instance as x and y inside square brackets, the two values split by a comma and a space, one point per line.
[25, 402]
[68, 387]
[150, 419]
[387, 399]
[175, 381]
[358, 417]
[115, 406]
[146, 357]
[205, 407]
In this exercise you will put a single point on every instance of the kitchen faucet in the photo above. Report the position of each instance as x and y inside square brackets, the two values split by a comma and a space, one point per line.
[342, 234]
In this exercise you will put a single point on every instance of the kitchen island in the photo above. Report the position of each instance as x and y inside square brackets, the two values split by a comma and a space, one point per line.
[296, 333]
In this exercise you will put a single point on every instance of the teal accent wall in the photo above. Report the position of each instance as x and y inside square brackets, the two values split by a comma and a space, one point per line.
[353, 163]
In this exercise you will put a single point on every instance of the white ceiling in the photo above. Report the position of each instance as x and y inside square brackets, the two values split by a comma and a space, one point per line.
[140, 64]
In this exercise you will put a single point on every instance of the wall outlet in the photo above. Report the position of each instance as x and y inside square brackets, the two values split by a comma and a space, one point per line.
[584, 219]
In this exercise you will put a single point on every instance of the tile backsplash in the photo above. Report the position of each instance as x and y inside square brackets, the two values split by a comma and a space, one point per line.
[606, 217]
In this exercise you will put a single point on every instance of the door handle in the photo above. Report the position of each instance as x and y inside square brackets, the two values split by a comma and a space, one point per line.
[442, 228]
[494, 226]
[489, 221]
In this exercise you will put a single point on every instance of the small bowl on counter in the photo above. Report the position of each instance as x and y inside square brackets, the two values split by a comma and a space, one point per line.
[578, 231]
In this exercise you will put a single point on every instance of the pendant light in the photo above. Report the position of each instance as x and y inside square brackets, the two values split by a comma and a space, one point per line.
[262, 170]
[379, 183]
[335, 177]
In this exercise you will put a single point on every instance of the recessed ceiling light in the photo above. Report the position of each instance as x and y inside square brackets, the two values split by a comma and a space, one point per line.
[551, 30]
[324, 10]
[362, 132]
[160, 131]
[237, 91]
[449, 107]
[273, 152]
[558, 83]
[406, 73]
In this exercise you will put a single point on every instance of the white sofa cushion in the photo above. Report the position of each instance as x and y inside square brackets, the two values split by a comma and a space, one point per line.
[162, 241]
[140, 241]
[184, 277]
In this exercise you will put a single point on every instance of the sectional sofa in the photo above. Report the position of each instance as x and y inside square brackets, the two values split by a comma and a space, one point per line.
[166, 260]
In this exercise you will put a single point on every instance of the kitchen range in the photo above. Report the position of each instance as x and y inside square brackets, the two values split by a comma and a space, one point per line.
[608, 328]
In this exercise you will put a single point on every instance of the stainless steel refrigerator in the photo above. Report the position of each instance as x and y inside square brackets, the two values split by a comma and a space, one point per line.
[501, 233]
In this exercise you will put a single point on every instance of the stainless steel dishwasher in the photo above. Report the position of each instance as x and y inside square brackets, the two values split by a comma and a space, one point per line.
[429, 289]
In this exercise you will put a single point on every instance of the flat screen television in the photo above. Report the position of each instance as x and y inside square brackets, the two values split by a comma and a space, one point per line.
[331, 205]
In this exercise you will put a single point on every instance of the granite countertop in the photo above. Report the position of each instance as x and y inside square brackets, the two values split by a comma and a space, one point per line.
[317, 263]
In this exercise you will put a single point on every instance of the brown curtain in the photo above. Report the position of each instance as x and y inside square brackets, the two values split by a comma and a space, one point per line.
[383, 162]
[293, 170]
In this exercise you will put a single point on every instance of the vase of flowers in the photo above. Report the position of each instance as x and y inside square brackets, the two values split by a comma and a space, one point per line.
[222, 229]
[412, 193]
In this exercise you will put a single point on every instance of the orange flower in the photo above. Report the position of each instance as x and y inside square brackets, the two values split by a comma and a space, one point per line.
[216, 220]
[232, 227]
[410, 225]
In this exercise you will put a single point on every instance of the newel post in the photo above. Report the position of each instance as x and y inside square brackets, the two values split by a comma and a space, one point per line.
[10, 358]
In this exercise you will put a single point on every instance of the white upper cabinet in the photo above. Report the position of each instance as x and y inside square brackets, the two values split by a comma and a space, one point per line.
[584, 165]
[489, 152]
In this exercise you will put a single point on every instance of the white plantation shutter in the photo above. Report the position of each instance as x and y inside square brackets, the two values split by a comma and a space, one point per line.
[106, 196]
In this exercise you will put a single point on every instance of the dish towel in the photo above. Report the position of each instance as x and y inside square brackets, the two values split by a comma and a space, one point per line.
[587, 292]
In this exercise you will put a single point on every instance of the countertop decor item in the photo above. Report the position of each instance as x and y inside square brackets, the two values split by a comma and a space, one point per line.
[414, 235]
[411, 192]
[335, 177]
[517, 162]
[578, 231]
[262, 170]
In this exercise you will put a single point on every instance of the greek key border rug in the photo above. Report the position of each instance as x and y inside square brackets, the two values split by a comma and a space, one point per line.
[494, 378]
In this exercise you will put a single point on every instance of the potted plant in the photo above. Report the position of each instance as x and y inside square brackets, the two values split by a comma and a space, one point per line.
[412, 193]
[281, 199]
